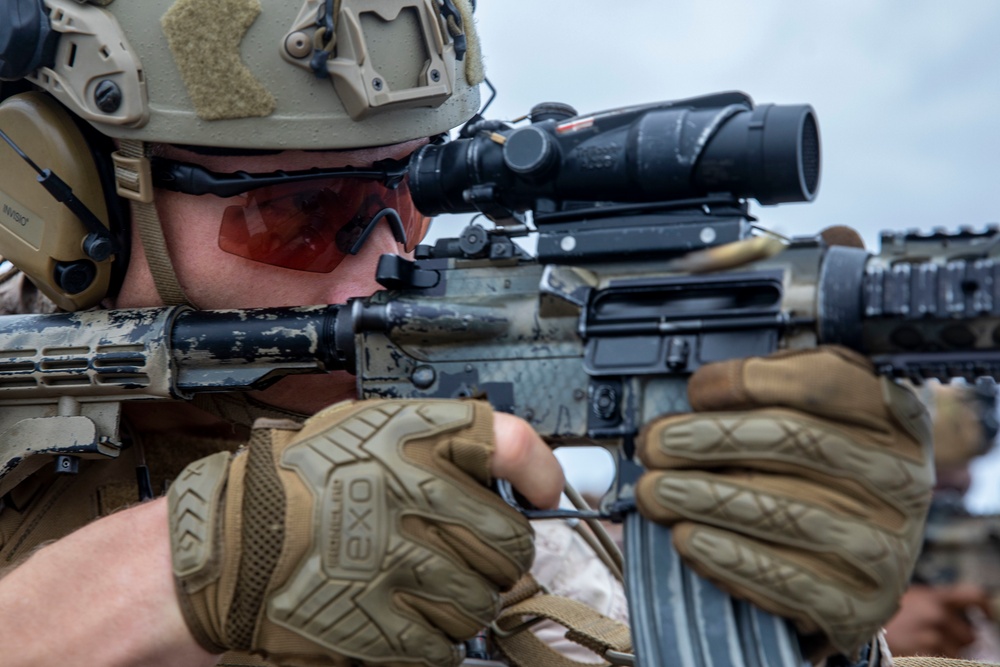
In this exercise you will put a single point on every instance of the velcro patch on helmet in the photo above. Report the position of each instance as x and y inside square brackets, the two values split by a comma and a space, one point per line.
[474, 70]
[204, 38]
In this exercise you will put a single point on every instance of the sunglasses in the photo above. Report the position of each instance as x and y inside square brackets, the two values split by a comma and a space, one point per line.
[307, 220]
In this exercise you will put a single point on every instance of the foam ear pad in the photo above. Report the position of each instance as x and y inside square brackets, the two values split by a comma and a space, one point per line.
[40, 235]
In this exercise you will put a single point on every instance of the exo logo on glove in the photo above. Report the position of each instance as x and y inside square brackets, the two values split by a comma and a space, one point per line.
[355, 535]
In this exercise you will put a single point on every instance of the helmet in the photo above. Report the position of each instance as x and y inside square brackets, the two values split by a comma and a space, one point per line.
[228, 74]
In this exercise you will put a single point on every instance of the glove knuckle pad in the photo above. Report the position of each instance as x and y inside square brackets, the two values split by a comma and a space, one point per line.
[765, 439]
[193, 523]
[365, 485]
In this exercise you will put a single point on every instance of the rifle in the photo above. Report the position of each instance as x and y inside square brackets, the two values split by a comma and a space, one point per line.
[647, 266]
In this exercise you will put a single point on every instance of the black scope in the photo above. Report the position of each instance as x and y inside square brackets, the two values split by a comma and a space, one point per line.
[668, 151]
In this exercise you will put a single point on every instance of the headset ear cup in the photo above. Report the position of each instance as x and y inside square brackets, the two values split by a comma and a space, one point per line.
[40, 235]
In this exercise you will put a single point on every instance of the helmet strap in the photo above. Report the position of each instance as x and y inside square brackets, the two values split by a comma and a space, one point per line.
[133, 182]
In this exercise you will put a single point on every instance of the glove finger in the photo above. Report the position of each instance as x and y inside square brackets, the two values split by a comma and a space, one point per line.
[456, 495]
[394, 614]
[449, 597]
[494, 540]
[489, 559]
[785, 378]
[849, 393]
[850, 537]
[412, 443]
[782, 440]
[360, 619]
[783, 582]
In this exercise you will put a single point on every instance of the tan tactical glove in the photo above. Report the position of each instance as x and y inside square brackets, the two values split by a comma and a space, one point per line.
[801, 486]
[368, 535]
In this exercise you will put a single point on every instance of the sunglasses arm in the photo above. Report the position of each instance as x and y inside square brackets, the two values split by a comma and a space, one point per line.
[395, 224]
[194, 179]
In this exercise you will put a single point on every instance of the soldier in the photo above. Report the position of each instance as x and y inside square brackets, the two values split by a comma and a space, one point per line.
[152, 111]
[948, 610]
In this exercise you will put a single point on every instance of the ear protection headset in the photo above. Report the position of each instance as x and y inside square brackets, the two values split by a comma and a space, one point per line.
[39, 234]
[47, 231]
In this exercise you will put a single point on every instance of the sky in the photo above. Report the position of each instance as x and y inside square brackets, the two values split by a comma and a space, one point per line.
[907, 94]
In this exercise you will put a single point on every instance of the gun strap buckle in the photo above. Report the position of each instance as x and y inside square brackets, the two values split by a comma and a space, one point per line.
[133, 176]
[517, 629]
[524, 608]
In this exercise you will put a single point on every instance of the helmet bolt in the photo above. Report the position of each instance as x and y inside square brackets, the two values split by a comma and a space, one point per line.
[298, 45]
[377, 83]
[435, 75]
[108, 96]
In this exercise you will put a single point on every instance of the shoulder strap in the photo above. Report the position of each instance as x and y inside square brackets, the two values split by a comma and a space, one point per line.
[134, 183]
[523, 606]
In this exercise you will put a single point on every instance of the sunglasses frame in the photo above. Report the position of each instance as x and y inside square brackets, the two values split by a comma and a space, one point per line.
[194, 179]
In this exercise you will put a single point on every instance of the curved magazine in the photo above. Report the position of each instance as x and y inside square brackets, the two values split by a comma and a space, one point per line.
[680, 619]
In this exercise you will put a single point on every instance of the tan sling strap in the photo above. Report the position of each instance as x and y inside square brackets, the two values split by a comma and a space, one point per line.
[523, 607]
[134, 182]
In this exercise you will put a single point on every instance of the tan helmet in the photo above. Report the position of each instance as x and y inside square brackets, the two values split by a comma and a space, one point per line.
[273, 74]
[246, 74]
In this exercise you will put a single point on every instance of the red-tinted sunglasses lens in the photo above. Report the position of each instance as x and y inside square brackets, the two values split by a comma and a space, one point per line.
[310, 226]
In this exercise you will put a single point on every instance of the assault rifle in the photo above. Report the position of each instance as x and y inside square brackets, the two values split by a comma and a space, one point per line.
[647, 266]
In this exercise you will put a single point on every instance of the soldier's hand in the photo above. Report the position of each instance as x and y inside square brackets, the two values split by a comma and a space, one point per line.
[369, 535]
[935, 620]
[801, 483]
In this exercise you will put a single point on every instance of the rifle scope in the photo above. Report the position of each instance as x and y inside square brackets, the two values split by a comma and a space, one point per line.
[668, 151]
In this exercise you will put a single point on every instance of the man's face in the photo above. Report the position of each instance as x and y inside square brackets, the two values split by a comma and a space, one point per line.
[213, 278]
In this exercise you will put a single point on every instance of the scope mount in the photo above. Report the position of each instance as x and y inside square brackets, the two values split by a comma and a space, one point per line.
[605, 231]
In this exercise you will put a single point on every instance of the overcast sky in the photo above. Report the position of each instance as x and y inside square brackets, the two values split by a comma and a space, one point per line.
[907, 93]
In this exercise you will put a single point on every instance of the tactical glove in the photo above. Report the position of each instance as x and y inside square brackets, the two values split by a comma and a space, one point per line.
[368, 535]
[801, 484]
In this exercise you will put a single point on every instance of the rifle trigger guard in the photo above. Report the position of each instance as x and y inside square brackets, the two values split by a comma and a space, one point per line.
[509, 496]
